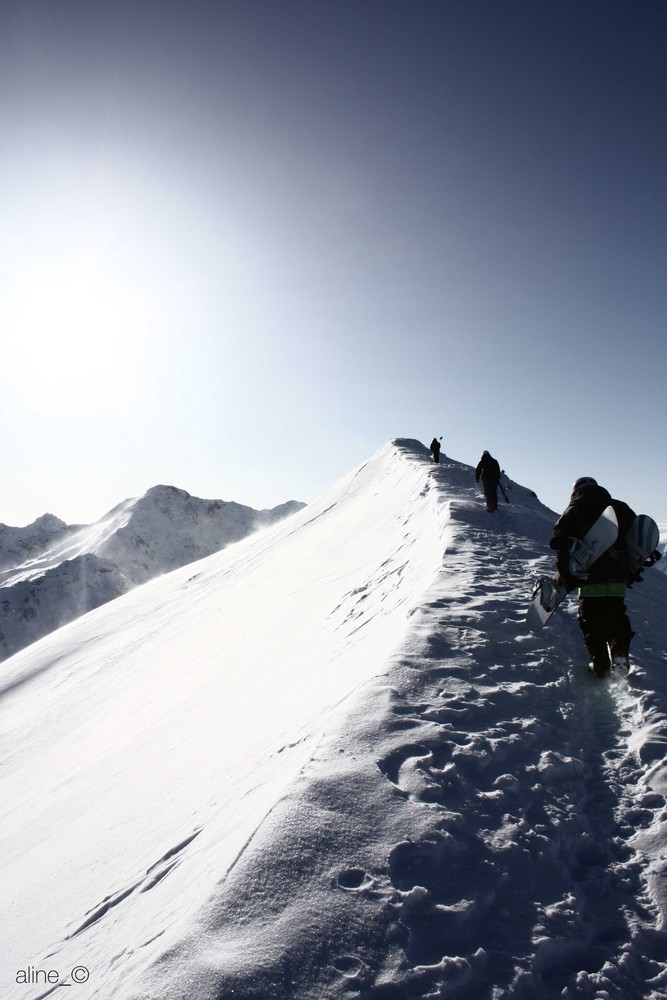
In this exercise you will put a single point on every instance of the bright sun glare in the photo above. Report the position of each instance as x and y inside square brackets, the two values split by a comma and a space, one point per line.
[73, 340]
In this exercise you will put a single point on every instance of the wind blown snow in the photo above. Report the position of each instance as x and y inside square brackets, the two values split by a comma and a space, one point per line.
[52, 573]
[330, 761]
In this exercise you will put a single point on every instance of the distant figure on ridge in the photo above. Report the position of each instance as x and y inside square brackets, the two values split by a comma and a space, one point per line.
[602, 613]
[489, 470]
[435, 448]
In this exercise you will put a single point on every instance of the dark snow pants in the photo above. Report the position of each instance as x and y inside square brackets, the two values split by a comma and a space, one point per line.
[491, 493]
[604, 623]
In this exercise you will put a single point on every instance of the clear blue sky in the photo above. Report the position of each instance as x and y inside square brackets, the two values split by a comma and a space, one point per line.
[244, 243]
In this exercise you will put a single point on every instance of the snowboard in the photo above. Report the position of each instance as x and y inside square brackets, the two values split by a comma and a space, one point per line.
[549, 591]
[584, 551]
[641, 543]
[547, 595]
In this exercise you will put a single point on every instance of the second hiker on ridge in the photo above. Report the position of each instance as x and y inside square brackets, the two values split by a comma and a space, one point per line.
[489, 471]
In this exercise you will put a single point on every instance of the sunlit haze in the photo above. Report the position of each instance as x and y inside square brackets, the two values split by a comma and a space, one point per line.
[244, 244]
[73, 341]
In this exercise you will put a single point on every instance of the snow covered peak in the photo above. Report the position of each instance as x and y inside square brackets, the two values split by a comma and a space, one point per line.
[135, 541]
[662, 547]
[19, 544]
[48, 523]
[331, 761]
[167, 528]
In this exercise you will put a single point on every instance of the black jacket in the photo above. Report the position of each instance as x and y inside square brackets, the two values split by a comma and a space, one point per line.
[488, 469]
[581, 514]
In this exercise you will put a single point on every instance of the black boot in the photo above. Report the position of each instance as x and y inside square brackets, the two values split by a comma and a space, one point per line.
[600, 664]
[620, 659]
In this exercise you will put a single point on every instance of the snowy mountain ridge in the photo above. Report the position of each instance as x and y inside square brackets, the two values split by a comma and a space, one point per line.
[51, 572]
[662, 547]
[19, 544]
[330, 761]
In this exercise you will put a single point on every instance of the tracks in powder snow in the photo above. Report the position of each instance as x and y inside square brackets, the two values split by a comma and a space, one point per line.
[465, 829]
[526, 884]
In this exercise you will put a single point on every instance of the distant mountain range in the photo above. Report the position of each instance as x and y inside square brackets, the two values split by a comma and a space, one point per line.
[52, 572]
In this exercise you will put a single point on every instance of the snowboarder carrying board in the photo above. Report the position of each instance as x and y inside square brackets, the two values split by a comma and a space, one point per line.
[489, 470]
[602, 614]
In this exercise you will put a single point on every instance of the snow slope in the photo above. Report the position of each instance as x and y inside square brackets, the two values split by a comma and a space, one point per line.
[330, 761]
[52, 572]
[662, 564]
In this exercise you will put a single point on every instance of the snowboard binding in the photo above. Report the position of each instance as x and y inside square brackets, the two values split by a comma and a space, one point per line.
[551, 592]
